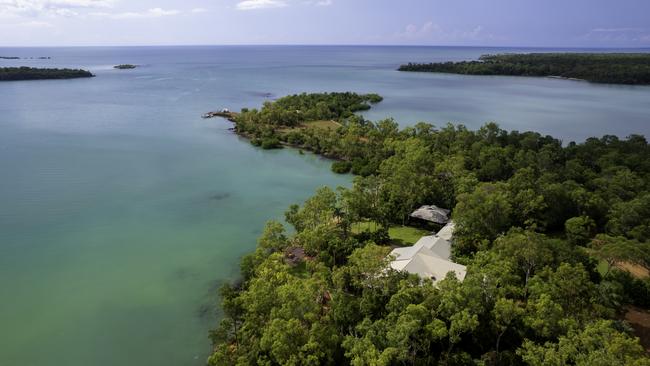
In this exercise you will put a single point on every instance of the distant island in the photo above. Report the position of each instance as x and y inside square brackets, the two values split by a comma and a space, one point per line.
[31, 73]
[613, 68]
[18, 58]
[125, 67]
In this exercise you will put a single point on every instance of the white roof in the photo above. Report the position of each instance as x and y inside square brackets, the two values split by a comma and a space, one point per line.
[439, 246]
[429, 266]
[407, 252]
[429, 257]
[447, 231]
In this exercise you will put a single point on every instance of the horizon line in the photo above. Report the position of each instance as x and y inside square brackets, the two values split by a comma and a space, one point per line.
[327, 45]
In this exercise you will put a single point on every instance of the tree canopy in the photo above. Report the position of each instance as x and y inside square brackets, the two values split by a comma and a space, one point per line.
[615, 68]
[32, 73]
[534, 218]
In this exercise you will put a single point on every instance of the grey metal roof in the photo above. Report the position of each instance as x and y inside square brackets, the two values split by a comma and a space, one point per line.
[432, 213]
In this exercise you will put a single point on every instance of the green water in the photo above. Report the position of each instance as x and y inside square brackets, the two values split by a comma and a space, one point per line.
[122, 211]
[125, 248]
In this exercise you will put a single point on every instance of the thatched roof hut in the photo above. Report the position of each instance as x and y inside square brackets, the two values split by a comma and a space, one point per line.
[432, 213]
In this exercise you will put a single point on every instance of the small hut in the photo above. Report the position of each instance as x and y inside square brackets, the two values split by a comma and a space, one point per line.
[294, 255]
[432, 213]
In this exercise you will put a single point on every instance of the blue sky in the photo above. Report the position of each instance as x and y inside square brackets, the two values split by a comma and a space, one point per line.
[552, 23]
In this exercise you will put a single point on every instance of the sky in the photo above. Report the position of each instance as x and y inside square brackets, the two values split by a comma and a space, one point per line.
[535, 23]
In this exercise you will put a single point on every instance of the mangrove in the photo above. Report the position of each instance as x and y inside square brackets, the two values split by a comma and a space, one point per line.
[614, 68]
[31, 73]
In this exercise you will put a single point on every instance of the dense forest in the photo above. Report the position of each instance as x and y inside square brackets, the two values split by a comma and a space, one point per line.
[615, 68]
[287, 120]
[31, 73]
[545, 229]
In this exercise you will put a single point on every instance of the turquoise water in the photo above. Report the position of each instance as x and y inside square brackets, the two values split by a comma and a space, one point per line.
[121, 210]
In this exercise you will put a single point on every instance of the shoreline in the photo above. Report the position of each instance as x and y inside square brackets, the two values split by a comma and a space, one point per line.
[601, 68]
[344, 263]
[231, 117]
[566, 78]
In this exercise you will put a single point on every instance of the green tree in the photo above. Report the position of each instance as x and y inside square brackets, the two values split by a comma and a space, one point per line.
[273, 237]
[481, 216]
[598, 344]
[530, 251]
[631, 218]
[578, 229]
[613, 250]
[406, 176]
[570, 287]
[505, 313]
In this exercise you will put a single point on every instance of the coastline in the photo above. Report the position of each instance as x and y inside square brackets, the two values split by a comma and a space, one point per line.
[601, 68]
[565, 78]
[231, 117]
[325, 259]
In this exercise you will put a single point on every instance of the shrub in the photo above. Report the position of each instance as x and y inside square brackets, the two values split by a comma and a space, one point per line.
[636, 291]
[341, 167]
[295, 138]
[579, 229]
[270, 143]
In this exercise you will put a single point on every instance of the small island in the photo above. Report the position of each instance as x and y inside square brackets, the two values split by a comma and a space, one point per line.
[32, 73]
[125, 67]
[18, 58]
[612, 68]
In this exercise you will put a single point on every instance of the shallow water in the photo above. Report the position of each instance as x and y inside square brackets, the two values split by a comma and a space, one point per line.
[121, 210]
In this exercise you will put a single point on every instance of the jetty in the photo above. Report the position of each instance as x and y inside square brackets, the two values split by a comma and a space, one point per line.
[224, 113]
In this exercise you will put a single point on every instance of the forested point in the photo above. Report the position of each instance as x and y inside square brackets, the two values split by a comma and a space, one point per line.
[546, 230]
[31, 73]
[614, 68]
[287, 119]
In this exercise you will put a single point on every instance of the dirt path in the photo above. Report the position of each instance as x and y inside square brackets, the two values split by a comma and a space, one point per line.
[639, 319]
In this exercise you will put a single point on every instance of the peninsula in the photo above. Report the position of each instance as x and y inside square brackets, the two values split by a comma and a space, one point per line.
[613, 68]
[536, 260]
[31, 73]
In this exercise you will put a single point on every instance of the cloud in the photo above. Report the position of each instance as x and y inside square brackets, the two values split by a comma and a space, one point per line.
[150, 13]
[33, 8]
[35, 24]
[260, 4]
[79, 3]
[615, 30]
[199, 10]
[265, 4]
[621, 35]
[413, 31]
[430, 32]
